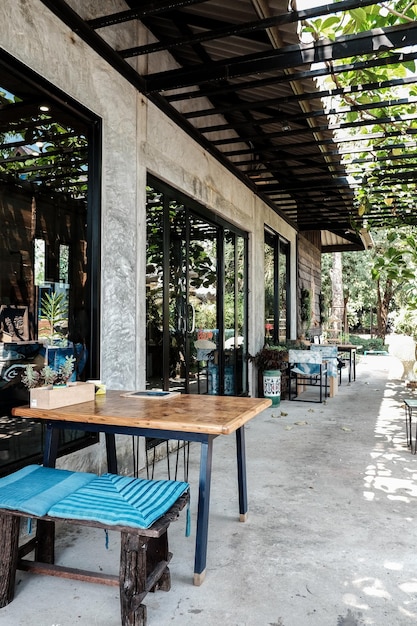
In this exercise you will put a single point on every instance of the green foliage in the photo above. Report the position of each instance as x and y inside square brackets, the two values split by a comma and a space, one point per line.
[405, 322]
[54, 309]
[31, 378]
[305, 306]
[66, 369]
[395, 258]
[48, 374]
[384, 276]
[55, 147]
[376, 343]
[273, 357]
[374, 110]
[270, 357]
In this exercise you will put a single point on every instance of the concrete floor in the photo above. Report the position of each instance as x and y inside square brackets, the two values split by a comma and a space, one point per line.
[329, 541]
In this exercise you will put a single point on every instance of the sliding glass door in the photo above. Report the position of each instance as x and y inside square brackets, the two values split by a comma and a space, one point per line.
[277, 285]
[196, 297]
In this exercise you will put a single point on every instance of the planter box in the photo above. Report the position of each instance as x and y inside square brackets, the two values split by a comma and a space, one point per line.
[74, 393]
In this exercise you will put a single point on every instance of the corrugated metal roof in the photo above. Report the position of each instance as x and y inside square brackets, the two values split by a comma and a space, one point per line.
[236, 77]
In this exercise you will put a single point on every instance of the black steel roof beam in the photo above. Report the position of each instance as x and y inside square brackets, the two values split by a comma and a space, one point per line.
[336, 182]
[44, 155]
[407, 175]
[336, 126]
[151, 7]
[298, 118]
[384, 148]
[271, 167]
[198, 22]
[257, 122]
[55, 139]
[12, 113]
[369, 42]
[336, 152]
[40, 168]
[69, 17]
[226, 88]
[328, 142]
[387, 157]
[246, 28]
[259, 105]
[203, 55]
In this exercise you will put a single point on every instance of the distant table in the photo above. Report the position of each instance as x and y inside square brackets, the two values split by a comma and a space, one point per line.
[351, 350]
[410, 405]
[199, 418]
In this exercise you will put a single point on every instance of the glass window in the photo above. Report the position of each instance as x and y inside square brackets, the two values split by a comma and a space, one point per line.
[49, 213]
[196, 297]
[276, 265]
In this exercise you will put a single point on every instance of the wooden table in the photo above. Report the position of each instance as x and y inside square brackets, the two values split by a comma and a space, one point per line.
[351, 350]
[199, 418]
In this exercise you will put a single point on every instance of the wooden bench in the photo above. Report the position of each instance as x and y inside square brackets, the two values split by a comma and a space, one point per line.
[144, 555]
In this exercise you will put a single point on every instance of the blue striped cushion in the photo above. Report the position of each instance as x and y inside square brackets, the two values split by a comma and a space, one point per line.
[120, 500]
[34, 489]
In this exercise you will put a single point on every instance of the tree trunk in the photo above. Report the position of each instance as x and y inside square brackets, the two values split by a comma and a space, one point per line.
[384, 301]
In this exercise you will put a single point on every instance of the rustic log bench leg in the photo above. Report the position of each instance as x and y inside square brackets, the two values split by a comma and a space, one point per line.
[45, 541]
[158, 553]
[143, 568]
[132, 579]
[9, 533]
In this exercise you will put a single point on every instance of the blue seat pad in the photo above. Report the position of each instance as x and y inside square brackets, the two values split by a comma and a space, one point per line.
[34, 489]
[120, 500]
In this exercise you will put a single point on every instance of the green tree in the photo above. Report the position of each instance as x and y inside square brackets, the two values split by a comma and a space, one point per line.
[376, 113]
[359, 290]
[393, 270]
[382, 278]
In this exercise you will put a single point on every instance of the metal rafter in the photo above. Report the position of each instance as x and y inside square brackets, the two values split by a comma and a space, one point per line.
[382, 40]
[227, 58]
[147, 8]
[243, 29]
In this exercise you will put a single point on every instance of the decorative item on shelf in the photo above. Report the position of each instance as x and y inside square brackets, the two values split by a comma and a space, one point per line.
[51, 389]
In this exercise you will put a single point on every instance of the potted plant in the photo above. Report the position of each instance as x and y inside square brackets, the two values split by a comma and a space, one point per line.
[305, 311]
[270, 362]
[54, 314]
[47, 376]
[51, 388]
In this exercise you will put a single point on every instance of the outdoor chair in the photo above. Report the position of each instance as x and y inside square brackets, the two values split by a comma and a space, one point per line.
[306, 368]
[330, 356]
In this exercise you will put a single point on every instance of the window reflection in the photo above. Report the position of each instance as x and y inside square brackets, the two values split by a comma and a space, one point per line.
[276, 267]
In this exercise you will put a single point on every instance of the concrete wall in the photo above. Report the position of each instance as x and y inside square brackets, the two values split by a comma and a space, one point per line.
[137, 138]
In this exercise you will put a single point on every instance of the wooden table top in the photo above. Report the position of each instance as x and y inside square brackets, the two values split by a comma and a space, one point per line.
[213, 415]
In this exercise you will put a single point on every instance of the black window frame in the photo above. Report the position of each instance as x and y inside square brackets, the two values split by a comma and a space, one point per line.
[93, 125]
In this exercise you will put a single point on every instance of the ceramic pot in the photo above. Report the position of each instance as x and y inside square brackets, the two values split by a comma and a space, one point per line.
[272, 386]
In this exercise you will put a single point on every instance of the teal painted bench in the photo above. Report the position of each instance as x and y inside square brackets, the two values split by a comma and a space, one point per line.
[380, 352]
[141, 510]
